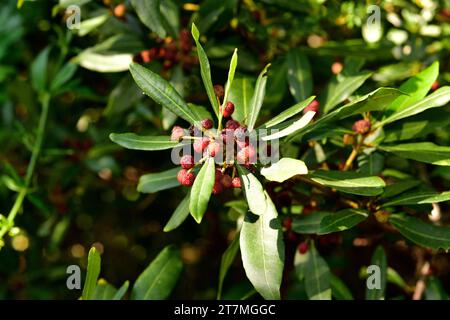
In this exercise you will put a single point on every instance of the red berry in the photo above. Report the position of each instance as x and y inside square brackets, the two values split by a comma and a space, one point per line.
[185, 178]
[207, 123]
[287, 224]
[120, 10]
[228, 109]
[313, 106]
[240, 133]
[201, 144]
[219, 174]
[232, 124]
[303, 247]
[187, 161]
[213, 148]
[236, 182]
[361, 126]
[217, 187]
[219, 91]
[226, 181]
[146, 56]
[177, 133]
[227, 134]
[435, 86]
[246, 154]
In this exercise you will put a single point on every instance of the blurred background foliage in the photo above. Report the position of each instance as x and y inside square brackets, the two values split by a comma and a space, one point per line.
[84, 189]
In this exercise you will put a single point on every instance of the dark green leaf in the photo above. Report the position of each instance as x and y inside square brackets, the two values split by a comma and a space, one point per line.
[205, 71]
[350, 182]
[288, 113]
[241, 93]
[160, 277]
[372, 164]
[149, 13]
[180, 214]
[435, 290]
[399, 187]
[317, 276]
[418, 197]
[340, 90]
[201, 190]
[299, 74]
[39, 70]
[322, 222]
[338, 289]
[162, 92]
[225, 263]
[420, 232]
[421, 151]
[257, 99]
[154, 182]
[147, 143]
[63, 75]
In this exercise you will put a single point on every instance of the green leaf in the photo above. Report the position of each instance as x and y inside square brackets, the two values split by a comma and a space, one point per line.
[323, 222]
[299, 74]
[257, 99]
[438, 98]
[350, 182]
[149, 13]
[63, 75]
[88, 25]
[339, 290]
[154, 182]
[276, 83]
[288, 113]
[231, 71]
[309, 224]
[225, 263]
[162, 92]
[160, 277]
[284, 169]
[420, 232]
[378, 259]
[435, 289]
[201, 190]
[254, 192]
[180, 214]
[417, 87]
[262, 250]
[342, 220]
[103, 291]
[241, 93]
[399, 187]
[292, 128]
[122, 291]
[317, 276]
[418, 197]
[373, 101]
[93, 270]
[205, 71]
[147, 143]
[421, 151]
[371, 164]
[39, 70]
[339, 91]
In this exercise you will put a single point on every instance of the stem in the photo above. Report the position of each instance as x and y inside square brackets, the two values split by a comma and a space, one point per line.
[45, 101]
[351, 158]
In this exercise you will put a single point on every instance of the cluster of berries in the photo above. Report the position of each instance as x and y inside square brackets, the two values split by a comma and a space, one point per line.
[212, 144]
[171, 52]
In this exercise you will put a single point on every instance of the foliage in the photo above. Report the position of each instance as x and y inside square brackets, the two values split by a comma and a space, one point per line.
[353, 118]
